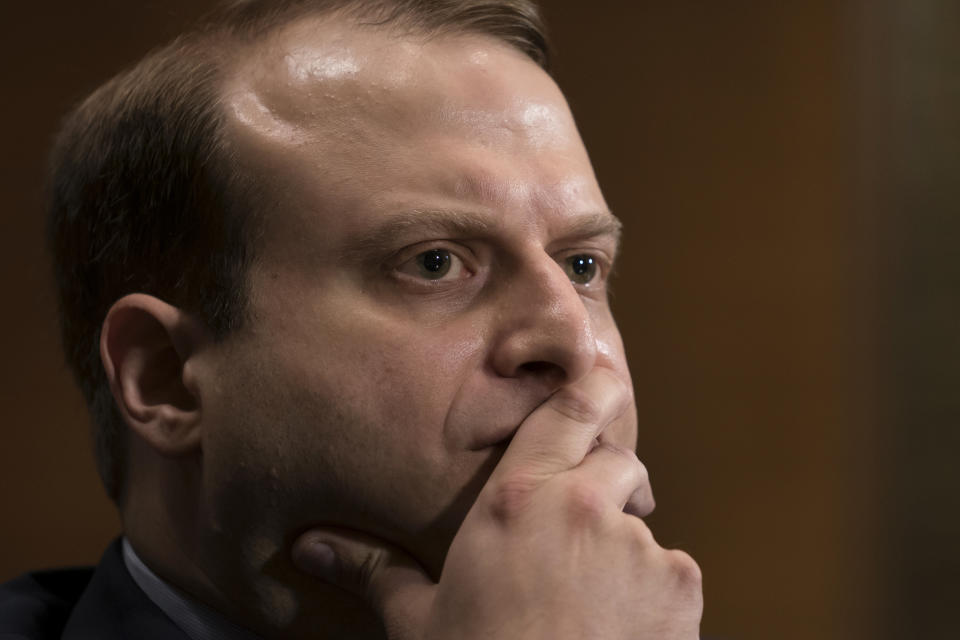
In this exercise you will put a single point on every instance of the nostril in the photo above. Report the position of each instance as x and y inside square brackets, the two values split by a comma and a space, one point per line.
[544, 369]
[538, 366]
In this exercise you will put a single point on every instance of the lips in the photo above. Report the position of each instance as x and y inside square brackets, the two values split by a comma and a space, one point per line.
[483, 433]
[495, 437]
[486, 412]
[480, 434]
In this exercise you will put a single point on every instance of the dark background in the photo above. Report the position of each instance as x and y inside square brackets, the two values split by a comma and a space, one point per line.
[788, 294]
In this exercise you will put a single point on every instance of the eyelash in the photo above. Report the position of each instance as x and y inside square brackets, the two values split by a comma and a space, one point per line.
[442, 267]
[597, 259]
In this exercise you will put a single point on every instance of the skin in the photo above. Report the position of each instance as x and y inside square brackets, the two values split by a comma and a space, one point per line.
[363, 394]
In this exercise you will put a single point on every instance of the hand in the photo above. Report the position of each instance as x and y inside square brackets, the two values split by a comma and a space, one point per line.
[547, 550]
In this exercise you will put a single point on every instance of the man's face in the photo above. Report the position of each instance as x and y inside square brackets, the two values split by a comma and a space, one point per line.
[431, 268]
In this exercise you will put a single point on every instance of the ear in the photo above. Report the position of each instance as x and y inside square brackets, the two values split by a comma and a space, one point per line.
[146, 346]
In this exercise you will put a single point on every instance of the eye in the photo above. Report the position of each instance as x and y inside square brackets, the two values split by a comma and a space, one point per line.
[435, 264]
[581, 268]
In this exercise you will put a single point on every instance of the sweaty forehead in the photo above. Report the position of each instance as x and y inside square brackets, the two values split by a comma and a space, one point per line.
[324, 76]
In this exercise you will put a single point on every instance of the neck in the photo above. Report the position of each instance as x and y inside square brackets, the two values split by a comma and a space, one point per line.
[244, 573]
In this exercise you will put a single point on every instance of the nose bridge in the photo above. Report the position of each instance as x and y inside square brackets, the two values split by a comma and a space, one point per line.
[545, 325]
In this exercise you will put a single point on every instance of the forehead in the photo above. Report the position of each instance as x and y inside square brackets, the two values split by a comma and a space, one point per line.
[334, 112]
[321, 73]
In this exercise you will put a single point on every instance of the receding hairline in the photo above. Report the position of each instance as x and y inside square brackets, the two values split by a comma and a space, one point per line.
[337, 52]
[240, 50]
[514, 22]
[234, 35]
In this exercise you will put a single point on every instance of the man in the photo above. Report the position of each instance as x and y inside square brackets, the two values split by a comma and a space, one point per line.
[333, 281]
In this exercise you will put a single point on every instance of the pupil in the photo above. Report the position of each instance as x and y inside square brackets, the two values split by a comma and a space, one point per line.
[434, 264]
[582, 265]
[434, 261]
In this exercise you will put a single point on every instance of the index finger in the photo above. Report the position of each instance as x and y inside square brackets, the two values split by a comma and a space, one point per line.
[560, 432]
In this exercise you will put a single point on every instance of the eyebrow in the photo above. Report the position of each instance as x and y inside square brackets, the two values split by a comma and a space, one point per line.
[465, 224]
[439, 221]
[592, 225]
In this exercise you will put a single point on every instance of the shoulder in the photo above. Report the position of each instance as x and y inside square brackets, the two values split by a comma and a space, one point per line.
[102, 603]
[37, 605]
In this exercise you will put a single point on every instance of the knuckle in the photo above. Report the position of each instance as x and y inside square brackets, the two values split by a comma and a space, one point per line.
[585, 504]
[364, 577]
[638, 472]
[641, 533]
[511, 497]
[643, 476]
[686, 569]
[575, 404]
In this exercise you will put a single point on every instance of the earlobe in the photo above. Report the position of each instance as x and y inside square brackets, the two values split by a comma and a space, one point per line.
[146, 345]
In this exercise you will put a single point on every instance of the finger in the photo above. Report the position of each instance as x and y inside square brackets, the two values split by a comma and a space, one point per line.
[619, 476]
[386, 578]
[560, 432]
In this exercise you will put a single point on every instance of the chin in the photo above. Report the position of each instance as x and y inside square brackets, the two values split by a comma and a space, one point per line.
[430, 542]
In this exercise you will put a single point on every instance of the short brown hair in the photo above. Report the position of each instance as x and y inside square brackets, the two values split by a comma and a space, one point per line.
[144, 195]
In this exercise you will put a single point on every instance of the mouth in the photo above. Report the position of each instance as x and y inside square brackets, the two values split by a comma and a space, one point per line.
[501, 433]
[506, 437]
[496, 438]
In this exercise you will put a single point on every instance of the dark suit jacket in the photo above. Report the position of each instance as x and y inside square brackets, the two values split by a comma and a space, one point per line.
[82, 604]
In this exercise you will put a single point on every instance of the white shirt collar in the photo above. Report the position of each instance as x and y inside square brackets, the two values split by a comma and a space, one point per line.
[196, 620]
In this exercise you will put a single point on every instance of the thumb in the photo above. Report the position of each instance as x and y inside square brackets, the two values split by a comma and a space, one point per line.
[392, 583]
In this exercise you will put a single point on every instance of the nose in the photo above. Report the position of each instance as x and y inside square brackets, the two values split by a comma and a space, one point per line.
[545, 331]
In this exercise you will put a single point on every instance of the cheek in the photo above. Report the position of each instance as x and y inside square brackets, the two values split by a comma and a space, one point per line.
[350, 413]
[371, 354]
[400, 373]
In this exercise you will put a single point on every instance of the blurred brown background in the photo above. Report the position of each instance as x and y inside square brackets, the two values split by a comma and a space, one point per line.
[788, 294]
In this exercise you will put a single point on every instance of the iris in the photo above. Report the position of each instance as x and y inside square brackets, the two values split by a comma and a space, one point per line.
[581, 269]
[434, 264]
